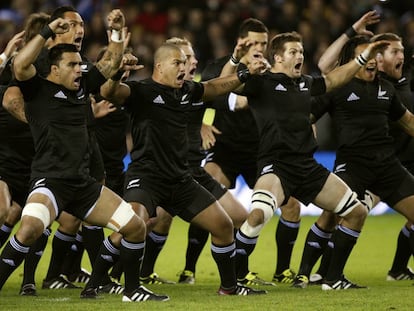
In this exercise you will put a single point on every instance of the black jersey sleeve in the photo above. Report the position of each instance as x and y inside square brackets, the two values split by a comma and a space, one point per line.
[318, 85]
[29, 88]
[320, 105]
[397, 109]
[94, 80]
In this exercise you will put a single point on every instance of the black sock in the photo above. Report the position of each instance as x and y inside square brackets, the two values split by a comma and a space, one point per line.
[315, 244]
[33, 257]
[107, 257]
[344, 240]
[5, 231]
[286, 234]
[73, 261]
[60, 247]
[11, 257]
[412, 240]
[92, 237]
[131, 255]
[403, 251]
[244, 247]
[224, 258]
[116, 271]
[326, 259]
[197, 238]
[153, 246]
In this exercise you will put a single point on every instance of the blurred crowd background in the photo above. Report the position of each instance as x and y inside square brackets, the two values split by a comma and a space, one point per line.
[212, 25]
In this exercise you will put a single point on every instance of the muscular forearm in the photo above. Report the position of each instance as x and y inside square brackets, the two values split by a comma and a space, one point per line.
[110, 62]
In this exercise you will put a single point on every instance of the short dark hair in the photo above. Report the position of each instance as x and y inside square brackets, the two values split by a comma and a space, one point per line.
[60, 12]
[251, 24]
[348, 50]
[277, 44]
[56, 52]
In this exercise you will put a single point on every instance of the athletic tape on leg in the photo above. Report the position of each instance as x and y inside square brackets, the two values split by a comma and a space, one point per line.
[122, 215]
[347, 204]
[265, 201]
[39, 211]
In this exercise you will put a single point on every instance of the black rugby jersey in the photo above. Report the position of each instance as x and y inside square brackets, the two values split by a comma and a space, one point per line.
[281, 107]
[16, 142]
[58, 124]
[238, 128]
[159, 121]
[404, 143]
[110, 132]
[360, 111]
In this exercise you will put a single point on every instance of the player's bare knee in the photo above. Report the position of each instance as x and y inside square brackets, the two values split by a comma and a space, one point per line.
[357, 216]
[291, 210]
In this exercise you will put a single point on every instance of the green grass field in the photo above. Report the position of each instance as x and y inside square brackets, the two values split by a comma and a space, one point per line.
[368, 265]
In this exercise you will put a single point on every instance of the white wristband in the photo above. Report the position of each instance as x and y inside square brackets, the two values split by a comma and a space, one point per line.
[4, 59]
[116, 36]
[232, 101]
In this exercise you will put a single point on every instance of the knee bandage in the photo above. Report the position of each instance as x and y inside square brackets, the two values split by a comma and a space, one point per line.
[265, 201]
[39, 211]
[347, 204]
[368, 200]
[122, 215]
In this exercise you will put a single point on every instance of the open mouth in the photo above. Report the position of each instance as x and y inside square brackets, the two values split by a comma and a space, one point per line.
[399, 66]
[77, 81]
[192, 71]
[181, 77]
[298, 66]
[371, 67]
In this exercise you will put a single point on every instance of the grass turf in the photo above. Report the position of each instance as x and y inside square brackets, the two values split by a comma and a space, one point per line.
[368, 265]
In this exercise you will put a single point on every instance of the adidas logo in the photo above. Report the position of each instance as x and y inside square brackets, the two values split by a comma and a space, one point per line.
[352, 97]
[267, 169]
[107, 258]
[280, 87]
[314, 244]
[60, 94]
[381, 94]
[9, 262]
[158, 100]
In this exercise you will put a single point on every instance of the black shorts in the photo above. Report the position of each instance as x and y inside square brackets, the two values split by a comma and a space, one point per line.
[18, 185]
[301, 177]
[234, 163]
[184, 198]
[388, 179]
[208, 182]
[116, 183]
[76, 197]
[96, 166]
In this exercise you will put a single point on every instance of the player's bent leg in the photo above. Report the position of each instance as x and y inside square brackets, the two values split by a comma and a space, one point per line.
[38, 215]
[154, 244]
[234, 209]
[5, 200]
[316, 242]
[218, 223]
[286, 233]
